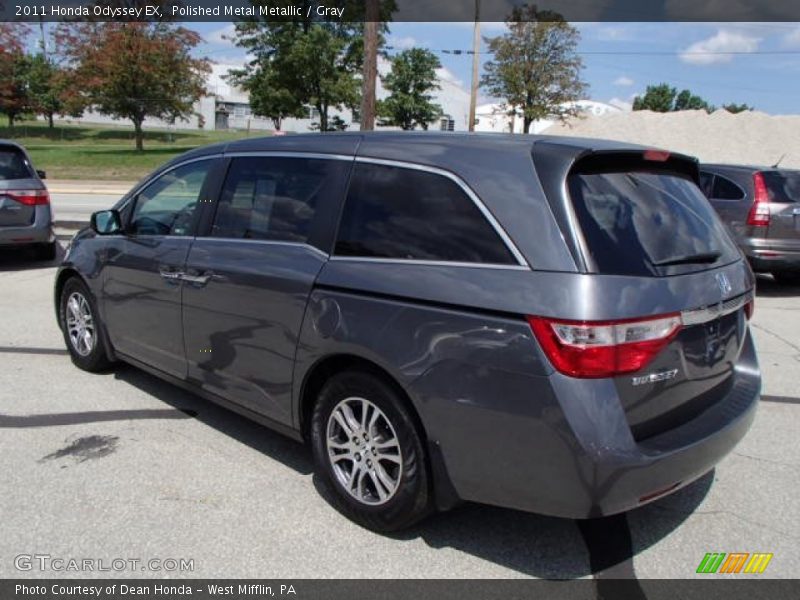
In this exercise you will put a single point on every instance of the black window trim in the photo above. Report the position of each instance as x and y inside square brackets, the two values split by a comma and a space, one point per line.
[729, 180]
[522, 264]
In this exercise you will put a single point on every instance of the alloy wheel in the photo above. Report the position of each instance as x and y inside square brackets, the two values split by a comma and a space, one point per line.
[364, 451]
[80, 324]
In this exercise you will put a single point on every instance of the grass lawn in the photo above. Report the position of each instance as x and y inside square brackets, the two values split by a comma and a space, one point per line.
[106, 153]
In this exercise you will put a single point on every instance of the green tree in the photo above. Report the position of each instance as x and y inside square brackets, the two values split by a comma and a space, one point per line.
[535, 66]
[658, 98]
[305, 62]
[45, 87]
[134, 70]
[665, 98]
[268, 95]
[14, 69]
[737, 108]
[686, 100]
[412, 78]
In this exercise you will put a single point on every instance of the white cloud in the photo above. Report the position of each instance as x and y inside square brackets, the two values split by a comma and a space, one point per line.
[792, 39]
[445, 75]
[218, 36]
[614, 33]
[623, 81]
[402, 43]
[713, 50]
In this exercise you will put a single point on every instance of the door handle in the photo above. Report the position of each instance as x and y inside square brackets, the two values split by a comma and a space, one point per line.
[196, 279]
[171, 275]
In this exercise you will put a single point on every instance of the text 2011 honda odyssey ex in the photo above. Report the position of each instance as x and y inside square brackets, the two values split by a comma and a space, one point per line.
[551, 324]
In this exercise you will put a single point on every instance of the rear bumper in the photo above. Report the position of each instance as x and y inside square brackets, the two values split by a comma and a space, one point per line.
[39, 232]
[569, 452]
[766, 256]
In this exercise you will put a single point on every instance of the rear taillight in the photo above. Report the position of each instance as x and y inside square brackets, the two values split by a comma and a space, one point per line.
[759, 212]
[29, 197]
[749, 309]
[593, 349]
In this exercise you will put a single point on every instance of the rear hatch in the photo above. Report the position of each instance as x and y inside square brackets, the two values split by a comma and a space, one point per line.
[642, 215]
[17, 207]
[783, 194]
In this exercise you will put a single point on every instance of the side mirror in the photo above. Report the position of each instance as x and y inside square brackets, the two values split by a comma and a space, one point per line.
[106, 222]
[41, 174]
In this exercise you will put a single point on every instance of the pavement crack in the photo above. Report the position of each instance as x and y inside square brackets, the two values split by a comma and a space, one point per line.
[777, 336]
[766, 460]
[714, 513]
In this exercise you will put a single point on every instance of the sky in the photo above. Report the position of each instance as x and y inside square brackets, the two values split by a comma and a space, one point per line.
[752, 63]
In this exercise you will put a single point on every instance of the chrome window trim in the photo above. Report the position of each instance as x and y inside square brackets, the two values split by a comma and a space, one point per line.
[140, 187]
[709, 313]
[289, 154]
[510, 246]
[229, 240]
[428, 263]
[137, 189]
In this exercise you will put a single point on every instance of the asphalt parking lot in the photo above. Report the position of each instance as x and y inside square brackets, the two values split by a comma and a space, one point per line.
[121, 465]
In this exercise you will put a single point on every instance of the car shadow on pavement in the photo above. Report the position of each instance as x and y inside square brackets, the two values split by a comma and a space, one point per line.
[534, 545]
[553, 548]
[767, 287]
[23, 259]
[259, 438]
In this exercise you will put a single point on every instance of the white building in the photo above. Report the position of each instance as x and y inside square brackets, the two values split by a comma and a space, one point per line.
[495, 117]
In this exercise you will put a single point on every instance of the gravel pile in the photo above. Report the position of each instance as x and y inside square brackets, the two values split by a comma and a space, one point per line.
[748, 137]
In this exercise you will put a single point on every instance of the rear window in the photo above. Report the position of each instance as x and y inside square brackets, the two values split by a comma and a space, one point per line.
[13, 165]
[650, 223]
[782, 186]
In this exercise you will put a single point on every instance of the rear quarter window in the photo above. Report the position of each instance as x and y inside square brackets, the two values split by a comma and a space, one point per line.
[410, 214]
[13, 165]
[647, 223]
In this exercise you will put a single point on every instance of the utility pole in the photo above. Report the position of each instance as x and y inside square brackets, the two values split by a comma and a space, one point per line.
[371, 17]
[476, 46]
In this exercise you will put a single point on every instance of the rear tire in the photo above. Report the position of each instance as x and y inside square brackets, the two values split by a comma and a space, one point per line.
[45, 251]
[368, 453]
[787, 278]
[81, 326]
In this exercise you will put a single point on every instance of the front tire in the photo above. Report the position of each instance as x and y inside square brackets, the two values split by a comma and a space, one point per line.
[81, 327]
[368, 452]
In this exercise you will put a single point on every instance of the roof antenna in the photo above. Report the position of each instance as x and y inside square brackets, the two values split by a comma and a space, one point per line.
[775, 166]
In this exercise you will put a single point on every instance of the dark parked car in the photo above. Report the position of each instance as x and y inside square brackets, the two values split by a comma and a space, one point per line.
[554, 325]
[761, 208]
[25, 217]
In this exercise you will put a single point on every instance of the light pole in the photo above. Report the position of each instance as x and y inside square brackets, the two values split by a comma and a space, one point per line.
[476, 46]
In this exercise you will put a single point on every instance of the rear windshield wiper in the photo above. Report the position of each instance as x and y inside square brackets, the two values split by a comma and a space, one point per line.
[691, 259]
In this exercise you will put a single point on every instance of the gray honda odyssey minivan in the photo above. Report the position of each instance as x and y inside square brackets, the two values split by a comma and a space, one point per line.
[556, 325]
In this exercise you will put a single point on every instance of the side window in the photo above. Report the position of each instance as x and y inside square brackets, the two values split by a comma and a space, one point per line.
[707, 183]
[401, 213]
[725, 189]
[166, 206]
[267, 198]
